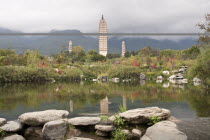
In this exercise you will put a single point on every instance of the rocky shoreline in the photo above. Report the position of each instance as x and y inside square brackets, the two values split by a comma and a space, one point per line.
[55, 125]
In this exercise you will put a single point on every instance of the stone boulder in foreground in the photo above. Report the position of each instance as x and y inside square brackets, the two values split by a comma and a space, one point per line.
[33, 133]
[55, 130]
[164, 130]
[79, 138]
[12, 126]
[42, 117]
[84, 121]
[2, 121]
[105, 128]
[14, 137]
[142, 115]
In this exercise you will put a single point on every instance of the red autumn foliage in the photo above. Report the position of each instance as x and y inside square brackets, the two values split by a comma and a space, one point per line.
[153, 66]
[135, 63]
[42, 65]
[135, 94]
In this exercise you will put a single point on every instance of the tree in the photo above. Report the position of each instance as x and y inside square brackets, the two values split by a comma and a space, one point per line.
[146, 51]
[6, 52]
[5, 55]
[202, 68]
[167, 53]
[32, 57]
[92, 52]
[133, 53]
[204, 41]
[93, 56]
[148, 61]
[191, 53]
[78, 54]
[113, 55]
[127, 54]
[62, 57]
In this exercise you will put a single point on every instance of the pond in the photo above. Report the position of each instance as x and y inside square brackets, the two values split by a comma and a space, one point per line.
[85, 98]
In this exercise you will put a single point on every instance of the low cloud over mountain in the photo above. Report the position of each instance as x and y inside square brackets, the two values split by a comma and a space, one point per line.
[54, 44]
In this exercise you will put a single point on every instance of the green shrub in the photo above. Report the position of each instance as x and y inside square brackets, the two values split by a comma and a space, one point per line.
[25, 74]
[35, 74]
[2, 133]
[151, 75]
[153, 120]
[118, 134]
[201, 68]
[71, 126]
[104, 117]
[121, 108]
[125, 72]
[88, 75]
[118, 121]
[71, 74]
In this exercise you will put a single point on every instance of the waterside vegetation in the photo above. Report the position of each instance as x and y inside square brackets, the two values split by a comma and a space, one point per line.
[31, 66]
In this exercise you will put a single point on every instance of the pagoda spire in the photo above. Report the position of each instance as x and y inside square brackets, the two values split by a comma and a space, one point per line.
[102, 16]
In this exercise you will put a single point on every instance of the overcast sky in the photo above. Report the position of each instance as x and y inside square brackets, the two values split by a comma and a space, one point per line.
[121, 15]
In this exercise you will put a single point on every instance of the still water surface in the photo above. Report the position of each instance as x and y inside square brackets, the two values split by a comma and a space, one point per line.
[184, 101]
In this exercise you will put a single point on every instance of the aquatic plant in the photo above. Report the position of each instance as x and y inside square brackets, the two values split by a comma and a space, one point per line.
[122, 109]
[153, 120]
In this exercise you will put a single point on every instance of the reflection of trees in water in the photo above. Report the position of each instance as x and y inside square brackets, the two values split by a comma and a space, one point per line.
[33, 95]
[200, 102]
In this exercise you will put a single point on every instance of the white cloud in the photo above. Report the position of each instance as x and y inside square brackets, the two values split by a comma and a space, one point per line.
[121, 15]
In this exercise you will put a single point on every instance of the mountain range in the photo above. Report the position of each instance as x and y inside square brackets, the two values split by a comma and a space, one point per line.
[53, 44]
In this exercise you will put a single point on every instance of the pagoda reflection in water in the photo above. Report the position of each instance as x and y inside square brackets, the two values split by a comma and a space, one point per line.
[104, 105]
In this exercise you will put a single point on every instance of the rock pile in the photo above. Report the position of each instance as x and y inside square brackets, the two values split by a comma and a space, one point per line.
[55, 125]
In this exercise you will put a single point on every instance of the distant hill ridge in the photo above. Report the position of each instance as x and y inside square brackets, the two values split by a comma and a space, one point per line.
[53, 44]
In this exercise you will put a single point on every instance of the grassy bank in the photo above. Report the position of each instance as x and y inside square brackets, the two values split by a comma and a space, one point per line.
[36, 74]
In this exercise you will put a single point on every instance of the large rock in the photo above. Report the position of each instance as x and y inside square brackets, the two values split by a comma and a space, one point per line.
[105, 128]
[160, 77]
[2, 121]
[84, 121]
[101, 133]
[173, 119]
[42, 117]
[33, 133]
[172, 77]
[79, 138]
[55, 130]
[73, 132]
[12, 126]
[142, 76]
[196, 80]
[137, 133]
[164, 130]
[142, 115]
[129, 135]
[166, 72]
[14, 137]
